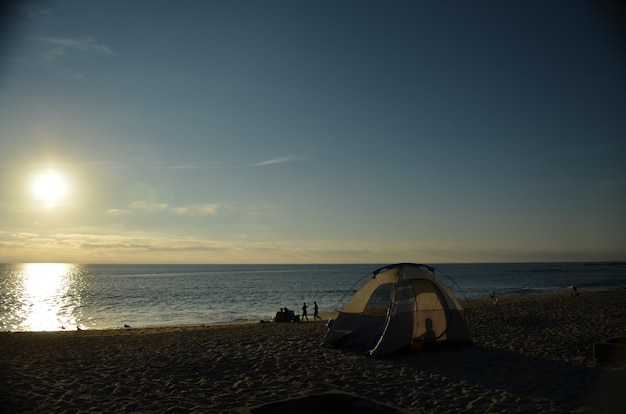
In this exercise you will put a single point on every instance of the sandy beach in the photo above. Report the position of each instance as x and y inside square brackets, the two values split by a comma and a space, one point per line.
[531, 354]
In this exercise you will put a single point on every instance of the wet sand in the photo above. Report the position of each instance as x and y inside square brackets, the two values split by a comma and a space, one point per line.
[531, 354]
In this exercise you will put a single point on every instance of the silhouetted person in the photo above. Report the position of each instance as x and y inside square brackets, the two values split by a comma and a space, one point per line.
[429, 335]
[316, 311]
[304, 315]
[288, 315]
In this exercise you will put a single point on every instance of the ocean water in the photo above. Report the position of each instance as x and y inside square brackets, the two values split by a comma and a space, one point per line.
[48, 297]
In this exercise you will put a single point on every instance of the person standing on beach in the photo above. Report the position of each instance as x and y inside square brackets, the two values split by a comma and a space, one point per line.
[304, 315]
[316, 311]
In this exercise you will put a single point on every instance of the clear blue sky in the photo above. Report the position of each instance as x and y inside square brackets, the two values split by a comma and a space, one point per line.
[313, 131]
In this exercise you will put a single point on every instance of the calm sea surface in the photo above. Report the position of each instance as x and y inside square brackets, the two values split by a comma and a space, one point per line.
[46, 297]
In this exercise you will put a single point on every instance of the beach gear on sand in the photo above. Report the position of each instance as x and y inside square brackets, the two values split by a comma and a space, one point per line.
[402, 305]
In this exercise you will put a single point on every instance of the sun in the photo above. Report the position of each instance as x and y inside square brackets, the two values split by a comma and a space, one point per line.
[50, 187]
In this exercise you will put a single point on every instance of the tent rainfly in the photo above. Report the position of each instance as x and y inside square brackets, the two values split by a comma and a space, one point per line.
[402, 305]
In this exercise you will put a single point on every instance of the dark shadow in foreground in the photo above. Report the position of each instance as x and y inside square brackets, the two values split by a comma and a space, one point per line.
[599, 389]
[324, 403]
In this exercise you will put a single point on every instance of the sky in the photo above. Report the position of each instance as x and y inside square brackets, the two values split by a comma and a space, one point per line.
[312, 131]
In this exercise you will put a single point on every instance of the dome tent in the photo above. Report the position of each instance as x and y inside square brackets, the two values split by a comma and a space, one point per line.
[402, 305]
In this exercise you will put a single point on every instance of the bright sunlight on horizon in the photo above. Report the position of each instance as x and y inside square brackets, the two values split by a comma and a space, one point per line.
[360, 131]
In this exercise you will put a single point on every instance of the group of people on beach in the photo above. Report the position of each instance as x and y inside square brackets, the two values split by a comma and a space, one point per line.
[305, 314]
[316, 311]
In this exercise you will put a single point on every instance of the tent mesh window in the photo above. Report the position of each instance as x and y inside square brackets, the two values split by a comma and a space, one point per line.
[378, 303]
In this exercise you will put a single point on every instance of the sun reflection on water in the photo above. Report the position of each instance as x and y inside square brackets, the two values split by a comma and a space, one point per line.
[46, 298]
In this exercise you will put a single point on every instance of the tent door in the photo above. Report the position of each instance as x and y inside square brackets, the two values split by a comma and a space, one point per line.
[431, 316]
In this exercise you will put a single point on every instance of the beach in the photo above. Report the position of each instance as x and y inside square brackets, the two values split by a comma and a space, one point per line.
[530, 354]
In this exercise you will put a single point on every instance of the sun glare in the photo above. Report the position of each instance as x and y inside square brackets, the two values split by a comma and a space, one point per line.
[50, 187]
[45, 297]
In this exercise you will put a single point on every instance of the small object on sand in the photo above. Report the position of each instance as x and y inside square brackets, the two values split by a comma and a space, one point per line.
[126, 326]
[78, 328]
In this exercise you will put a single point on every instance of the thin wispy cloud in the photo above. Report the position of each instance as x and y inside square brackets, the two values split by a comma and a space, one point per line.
[61, 46]
[198, 209]
[218, 164]
[611, 184]
[117, 212]
[280, 160]
[186, 165]
[196, 165]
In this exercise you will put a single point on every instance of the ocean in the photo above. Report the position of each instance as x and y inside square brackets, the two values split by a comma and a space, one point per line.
[55, 296]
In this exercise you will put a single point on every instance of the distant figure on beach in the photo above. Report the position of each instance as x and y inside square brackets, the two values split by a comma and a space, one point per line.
[304, 315]
[493, 296]
[316, 311]
[575, 291]
[289, 316]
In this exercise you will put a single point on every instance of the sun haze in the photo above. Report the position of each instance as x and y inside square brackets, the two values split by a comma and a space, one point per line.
[50, 187]
[354, 131]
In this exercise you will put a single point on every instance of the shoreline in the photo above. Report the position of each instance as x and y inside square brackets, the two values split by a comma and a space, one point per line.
[324, 315]
[530, 354]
